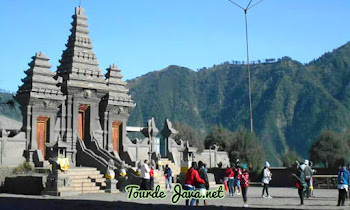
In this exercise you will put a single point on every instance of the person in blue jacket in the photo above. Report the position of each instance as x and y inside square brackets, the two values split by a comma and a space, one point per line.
[167, 175]
[343, 185]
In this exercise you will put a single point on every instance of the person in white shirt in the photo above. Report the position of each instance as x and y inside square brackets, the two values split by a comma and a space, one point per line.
[145, 182]
[266, 178]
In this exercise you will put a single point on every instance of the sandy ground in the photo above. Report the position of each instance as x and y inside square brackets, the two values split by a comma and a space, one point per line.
[283, 198]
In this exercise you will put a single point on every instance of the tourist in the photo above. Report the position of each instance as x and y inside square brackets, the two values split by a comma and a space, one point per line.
[202, 187]
[230, 179]
[151, 175]
[308, 175]
[145, 182]
[312, 179]
[301, 184]
[343, 185]
[237, 173]
[266, 178]
[192, 179]
[244, 183]
[167, 175]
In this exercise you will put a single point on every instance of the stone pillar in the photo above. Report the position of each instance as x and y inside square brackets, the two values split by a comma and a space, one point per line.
[111, 186]
[3, 144]
[105, 130]
[63, 120]
[28, 127]
[185, 161]
[69, 133]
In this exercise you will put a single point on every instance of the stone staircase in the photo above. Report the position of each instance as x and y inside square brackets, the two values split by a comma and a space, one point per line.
[86, 180]
[159, 174]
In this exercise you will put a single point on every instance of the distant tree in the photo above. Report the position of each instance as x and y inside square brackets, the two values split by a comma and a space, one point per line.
[188, 133]
[288, 159]
[220, 136]
[247, 147]
[330, 149]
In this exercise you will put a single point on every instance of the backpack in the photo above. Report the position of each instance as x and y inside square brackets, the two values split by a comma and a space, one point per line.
[307, 173]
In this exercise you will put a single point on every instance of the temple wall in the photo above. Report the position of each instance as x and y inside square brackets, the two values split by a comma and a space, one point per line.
[213, 157]
[11, 150]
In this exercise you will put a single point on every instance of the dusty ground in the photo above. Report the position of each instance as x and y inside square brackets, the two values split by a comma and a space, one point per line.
[283, 198]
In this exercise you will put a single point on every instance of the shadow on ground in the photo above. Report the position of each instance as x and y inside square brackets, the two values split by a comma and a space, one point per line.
[33, 203]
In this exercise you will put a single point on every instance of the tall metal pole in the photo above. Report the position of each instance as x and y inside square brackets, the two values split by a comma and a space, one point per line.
[248, 64]
[248, 68]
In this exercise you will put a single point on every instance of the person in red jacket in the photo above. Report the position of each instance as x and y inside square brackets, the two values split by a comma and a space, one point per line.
[231, 178]
[192, 179]
[244, 181]
[151, 175]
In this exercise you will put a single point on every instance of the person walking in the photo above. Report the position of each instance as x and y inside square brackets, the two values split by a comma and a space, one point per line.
[301, 183]
[230, 179]
[266, 178]
[202, 187]
[244, 183]
[145, 182]
[308, 176]
[192, 179]
[167, 175]
[151, 178]
[237, 173]
[343, 185]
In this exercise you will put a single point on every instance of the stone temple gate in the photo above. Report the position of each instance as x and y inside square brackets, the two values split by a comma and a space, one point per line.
[75, 102]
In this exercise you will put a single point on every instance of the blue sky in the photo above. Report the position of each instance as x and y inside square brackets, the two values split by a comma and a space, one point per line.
[146, 35]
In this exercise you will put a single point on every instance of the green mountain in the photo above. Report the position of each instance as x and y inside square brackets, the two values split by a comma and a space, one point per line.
[292, 102]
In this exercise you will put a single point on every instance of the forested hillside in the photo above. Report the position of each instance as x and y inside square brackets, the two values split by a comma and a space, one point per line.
[292, 102]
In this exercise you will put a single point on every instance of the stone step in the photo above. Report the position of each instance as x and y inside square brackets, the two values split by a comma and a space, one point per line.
[87, 173]
[93, 176]
[82, 169]
[93, 192]
[86, 188]
[98, 180]
[85, 184]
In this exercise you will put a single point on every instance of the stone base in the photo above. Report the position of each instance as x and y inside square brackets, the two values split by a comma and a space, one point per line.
[111, 186]
[62, 193]
[58, 184]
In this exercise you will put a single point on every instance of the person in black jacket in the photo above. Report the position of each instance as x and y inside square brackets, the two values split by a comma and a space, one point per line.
[202, 187]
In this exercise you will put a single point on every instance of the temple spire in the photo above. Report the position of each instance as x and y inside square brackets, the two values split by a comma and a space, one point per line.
[118, 92]
[79, 64]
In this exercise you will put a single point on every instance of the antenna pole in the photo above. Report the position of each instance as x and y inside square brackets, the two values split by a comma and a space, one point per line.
[248, 68]
[248, 64]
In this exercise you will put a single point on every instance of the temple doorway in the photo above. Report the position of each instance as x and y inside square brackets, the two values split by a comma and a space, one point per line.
[42, 133]
[116, 135]
[83, 121]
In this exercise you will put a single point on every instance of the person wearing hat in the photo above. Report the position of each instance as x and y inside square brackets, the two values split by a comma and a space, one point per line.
[266, 178]
[244, 182]
[343, 185]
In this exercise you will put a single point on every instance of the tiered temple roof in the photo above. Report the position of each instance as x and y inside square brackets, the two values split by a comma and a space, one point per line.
[40, 82]
[117, 88]
[79, 65]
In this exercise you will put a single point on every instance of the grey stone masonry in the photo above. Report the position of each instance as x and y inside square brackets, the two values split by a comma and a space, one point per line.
[117, 88]
[79, 64]
[39, 97]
